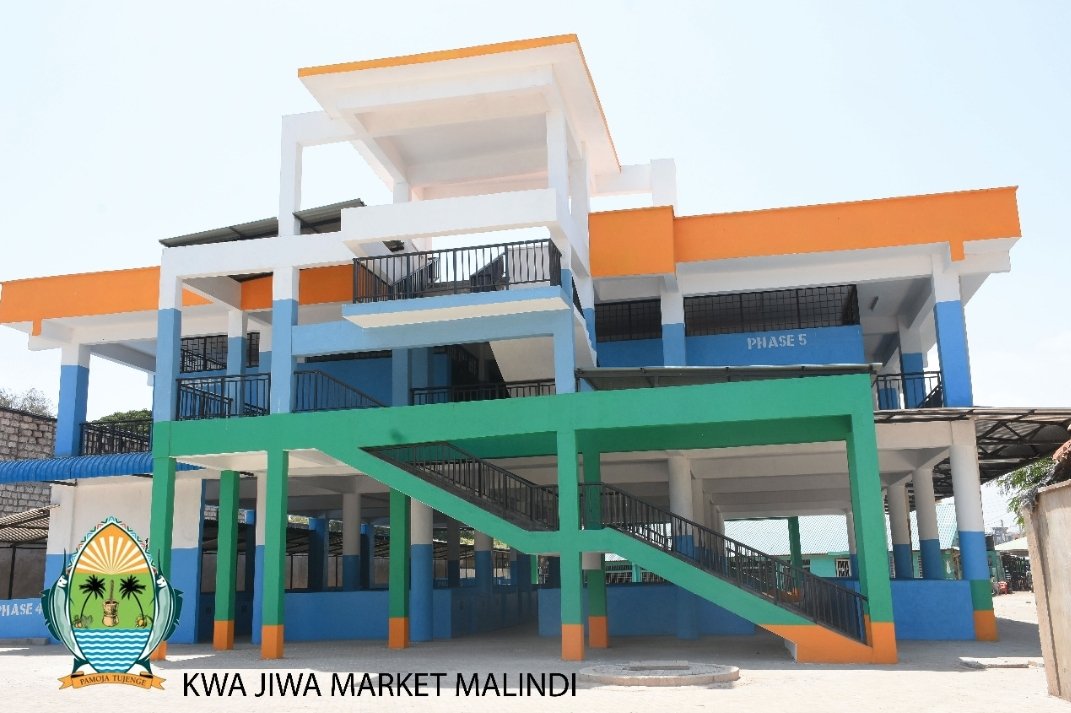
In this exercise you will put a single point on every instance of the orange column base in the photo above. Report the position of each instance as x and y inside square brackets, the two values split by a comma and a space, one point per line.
[815, 644]
[271, 641]
[572, 642]
[159, 653]
[598, 632]
[223, 635]
[985, 626]
[398, 632]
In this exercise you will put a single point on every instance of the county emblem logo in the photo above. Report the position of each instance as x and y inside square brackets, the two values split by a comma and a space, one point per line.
[111, 608]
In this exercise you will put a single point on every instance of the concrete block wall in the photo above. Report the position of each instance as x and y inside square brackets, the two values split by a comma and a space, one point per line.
[24, 435]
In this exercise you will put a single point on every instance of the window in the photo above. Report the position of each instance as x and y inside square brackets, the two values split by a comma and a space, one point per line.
[622, 321]
[252, 350]
[844, 567]
[209, 352]
[773, 310]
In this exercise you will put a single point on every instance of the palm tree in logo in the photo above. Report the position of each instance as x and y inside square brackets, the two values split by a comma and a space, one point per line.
[92, 587]
[131, 587]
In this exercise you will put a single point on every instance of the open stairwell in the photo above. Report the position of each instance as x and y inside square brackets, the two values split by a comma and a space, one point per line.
[822, 621]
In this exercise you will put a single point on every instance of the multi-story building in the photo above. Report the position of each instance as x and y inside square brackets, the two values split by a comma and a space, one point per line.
[489, 353]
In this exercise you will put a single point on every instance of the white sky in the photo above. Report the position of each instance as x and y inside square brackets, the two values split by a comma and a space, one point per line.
[124, 123]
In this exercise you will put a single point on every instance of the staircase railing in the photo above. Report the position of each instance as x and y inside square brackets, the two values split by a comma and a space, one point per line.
[818, 599]
[494, 488]
[319, 391]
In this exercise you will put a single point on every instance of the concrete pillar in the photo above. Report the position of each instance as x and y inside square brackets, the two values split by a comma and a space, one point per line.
[284, 318]
[236, 331]
[900, 530]
[226, 561]
[351, 541]
[422, 581]
[952, 347]
[572, 582]
[912, 361]
[400, 572]
[795, 542]
[674, 352]
[963, 457]
[319, 539]
[275, 521]
[260, 516]
[73, 398]
[564, 349]
[168, 350]
[368, 555]
[161, 525]
[453, 553]
[290, 184]
[483, 557]
[933, 563]
[680, 503]
[853, 557]
[594, 567]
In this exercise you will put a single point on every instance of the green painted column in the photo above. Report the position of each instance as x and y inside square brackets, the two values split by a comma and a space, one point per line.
[572, 582]
[398, 580]
[226, 561]
[595, 563]
[795, 545]
[868, 509]
[161, 524]
[275, 521]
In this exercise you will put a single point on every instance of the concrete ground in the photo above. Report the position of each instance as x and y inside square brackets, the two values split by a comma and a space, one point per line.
[931, 676]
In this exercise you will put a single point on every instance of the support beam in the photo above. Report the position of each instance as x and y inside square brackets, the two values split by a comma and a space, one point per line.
[422, 577]
[275, 521]
[572, 584]
[933, 563]
[398, 604]
[963, 457]
[226, 561]
[900, 531]
[351, 541]
[73, 399]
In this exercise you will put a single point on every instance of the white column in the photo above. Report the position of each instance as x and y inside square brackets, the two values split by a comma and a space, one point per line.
[900, 530]
[289, 185]
[680, 487]
[351, 541]
[664, 182]
[966, 491]
[933, 566]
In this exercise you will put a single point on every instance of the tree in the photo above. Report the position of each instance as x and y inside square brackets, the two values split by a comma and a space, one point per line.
[93, 587]
[131, 587]
[32, 401]
[140, 414]
[1022, 485]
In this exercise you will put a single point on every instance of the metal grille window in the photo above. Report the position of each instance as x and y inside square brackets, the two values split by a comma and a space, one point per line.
[773, 310]
[204, 353]
[252, 350]
[621, 321]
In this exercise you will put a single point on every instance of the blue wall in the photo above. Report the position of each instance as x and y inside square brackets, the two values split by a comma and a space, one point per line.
[373, 376]
[825, 345]
[634, 352]
[933, 609]
[22, 618]
[644, 610]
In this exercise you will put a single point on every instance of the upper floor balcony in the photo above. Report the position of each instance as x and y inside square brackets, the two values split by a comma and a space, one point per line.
[436, 285]
[108, 437]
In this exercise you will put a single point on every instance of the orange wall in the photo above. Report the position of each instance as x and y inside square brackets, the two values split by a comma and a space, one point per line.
[952, 218]
[632, 242]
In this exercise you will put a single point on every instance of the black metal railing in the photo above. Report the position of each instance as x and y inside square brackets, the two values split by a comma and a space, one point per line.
[207, 353]
[496, 489]
[483, 268]
[771, 310]
[818, 599]
[223, 396]
[319, 391]
[102, 437]
[480, 392]
[921, 389]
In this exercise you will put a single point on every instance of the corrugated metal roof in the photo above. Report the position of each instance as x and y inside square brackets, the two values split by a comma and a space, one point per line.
[45, 469]
[23, 528]
[321, 219]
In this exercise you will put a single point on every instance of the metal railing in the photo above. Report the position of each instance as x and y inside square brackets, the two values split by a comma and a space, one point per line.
[483, 268]
[922, 389]
[223, 396]
[818, 599]
[494, 488]
[319, 391]
[103, 437]
[480, 392]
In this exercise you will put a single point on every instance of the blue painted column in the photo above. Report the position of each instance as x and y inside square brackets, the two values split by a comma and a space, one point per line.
[368, 555]
[914, 388]
[422, 573]
[484, 563]
[674, 351]
[900, 531]
[400, 375]
[453, 553]
[351, 541]
[952, 339]
[236, 329]
[681, 503]
[73, 399]
[258, 556]
[317, 564]
[284, 316]
[565, 347]
[933, 563]
[168, 362]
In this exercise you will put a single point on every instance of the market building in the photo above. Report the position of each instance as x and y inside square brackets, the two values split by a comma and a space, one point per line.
[388, 391]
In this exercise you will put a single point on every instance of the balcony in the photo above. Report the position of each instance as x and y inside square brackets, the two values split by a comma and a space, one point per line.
[223, 397]
[908, 391]
[106, 437]
[484, 268]
[480, 392]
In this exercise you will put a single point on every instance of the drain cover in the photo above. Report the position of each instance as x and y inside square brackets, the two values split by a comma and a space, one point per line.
[660, 673]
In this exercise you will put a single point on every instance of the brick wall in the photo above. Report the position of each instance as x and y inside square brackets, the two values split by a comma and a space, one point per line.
[24, 435]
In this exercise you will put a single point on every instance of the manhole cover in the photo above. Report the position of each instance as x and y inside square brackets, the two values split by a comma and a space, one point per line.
[660, 673]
